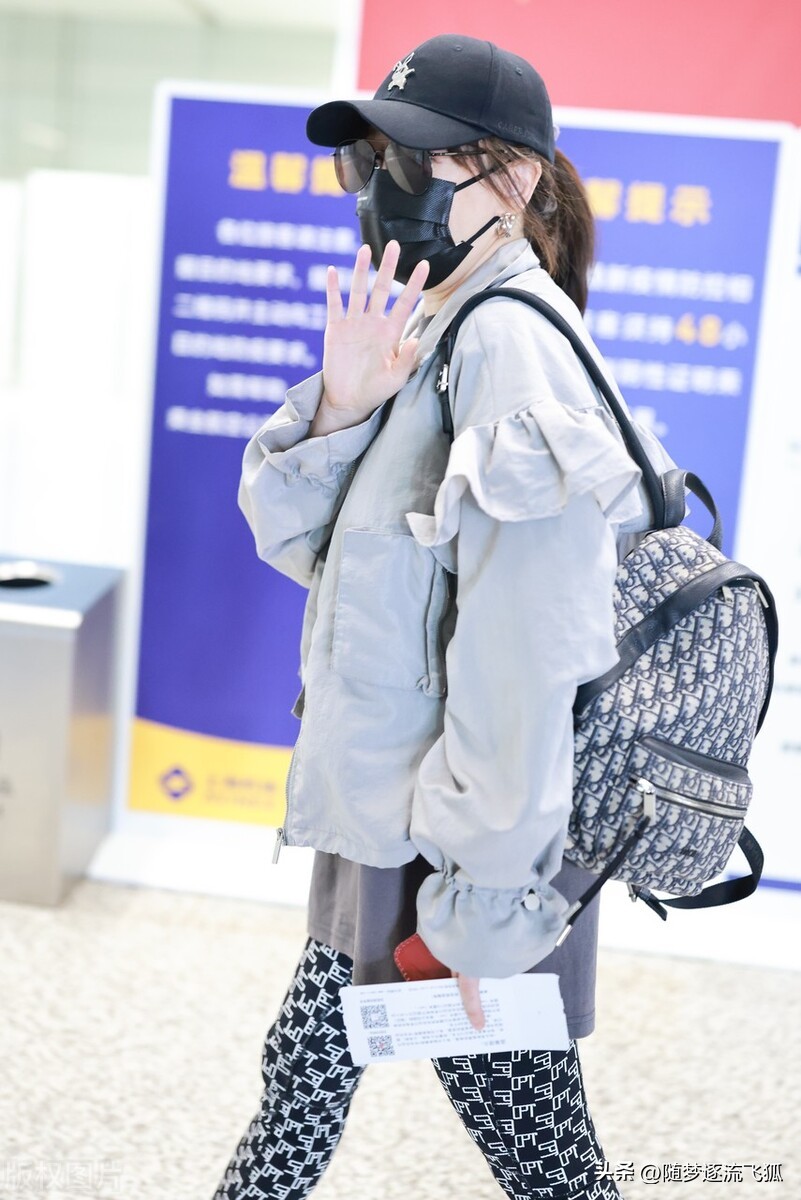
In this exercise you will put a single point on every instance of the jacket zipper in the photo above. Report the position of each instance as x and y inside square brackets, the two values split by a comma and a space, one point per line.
[730, 811]
[280, 833]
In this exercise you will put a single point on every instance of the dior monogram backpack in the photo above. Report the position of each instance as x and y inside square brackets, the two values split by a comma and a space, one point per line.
[662, 741]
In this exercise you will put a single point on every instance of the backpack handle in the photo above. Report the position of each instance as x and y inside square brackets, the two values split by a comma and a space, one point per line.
[674, 483]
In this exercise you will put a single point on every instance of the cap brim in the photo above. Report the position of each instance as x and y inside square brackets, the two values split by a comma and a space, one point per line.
[410, 124]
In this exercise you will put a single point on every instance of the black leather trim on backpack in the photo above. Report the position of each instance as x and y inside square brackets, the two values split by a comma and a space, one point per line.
[672, 610]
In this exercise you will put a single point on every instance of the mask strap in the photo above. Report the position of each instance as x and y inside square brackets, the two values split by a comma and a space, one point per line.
[492, 221]
[475, 179]
[467, 183]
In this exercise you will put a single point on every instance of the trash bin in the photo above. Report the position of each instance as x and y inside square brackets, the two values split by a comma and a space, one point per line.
[57, 632]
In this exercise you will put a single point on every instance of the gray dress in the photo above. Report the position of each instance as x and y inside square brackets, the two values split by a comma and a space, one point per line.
[365, 911]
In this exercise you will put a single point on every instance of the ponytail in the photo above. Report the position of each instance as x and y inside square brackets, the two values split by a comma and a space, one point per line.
[559, 224]
[557, 221]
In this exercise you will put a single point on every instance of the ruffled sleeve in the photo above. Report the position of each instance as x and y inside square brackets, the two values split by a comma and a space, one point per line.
[492, 932]
[530, 464]
[283, 441]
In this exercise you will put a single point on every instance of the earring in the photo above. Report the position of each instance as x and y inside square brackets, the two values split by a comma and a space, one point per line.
[505, 223]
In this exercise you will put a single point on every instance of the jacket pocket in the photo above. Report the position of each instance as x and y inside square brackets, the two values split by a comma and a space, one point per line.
[391, 599]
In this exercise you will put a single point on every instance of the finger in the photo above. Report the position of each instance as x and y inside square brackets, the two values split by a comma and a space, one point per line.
[402, 308]
[471, 999]
[333, 296]
[384, 278]
[358, 287]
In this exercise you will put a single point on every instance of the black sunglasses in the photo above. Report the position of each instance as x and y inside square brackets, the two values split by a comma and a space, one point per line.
[354, 163]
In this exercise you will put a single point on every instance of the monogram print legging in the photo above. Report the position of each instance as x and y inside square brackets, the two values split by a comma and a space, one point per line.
[526, 1111]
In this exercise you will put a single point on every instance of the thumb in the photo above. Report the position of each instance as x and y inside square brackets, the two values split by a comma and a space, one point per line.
[405, 362]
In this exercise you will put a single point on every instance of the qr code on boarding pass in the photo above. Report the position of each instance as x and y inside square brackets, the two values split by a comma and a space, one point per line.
[374, 1016]
[380, 1046]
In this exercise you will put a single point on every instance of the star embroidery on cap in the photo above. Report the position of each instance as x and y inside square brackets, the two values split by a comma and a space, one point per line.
[400, 73]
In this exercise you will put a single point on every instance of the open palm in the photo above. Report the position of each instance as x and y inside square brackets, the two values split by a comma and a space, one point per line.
[363, 361]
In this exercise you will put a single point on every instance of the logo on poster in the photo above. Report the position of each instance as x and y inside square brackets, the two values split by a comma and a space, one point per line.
[176, 783]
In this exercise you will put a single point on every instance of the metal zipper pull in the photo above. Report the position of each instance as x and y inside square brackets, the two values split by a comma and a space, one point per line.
[648, 794]
[728, 594]
[279, 841]
[760, 593]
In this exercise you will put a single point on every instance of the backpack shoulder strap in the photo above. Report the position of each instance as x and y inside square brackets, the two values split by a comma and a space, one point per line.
[632, 442]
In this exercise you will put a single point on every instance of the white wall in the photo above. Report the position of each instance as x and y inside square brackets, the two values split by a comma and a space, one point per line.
[76, 410]
[10, 236]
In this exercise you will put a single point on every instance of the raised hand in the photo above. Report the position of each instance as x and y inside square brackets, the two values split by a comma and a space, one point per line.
[363, 361]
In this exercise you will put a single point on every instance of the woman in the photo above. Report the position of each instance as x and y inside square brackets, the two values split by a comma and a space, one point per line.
[457, 596]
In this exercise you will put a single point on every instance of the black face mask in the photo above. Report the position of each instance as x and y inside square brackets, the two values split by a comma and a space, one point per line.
[419, 223]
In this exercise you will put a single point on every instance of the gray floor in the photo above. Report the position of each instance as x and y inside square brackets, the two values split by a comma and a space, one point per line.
[131, 1039]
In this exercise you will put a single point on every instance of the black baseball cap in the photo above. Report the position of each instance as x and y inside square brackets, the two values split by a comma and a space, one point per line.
[447, 92]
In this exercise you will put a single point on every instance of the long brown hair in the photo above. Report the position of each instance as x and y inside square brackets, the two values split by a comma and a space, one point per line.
[557, 221]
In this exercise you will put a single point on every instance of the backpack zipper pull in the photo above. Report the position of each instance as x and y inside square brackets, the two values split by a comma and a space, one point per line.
[648, 795]
[760, 593]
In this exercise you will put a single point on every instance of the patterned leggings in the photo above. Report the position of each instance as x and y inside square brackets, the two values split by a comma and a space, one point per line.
[525, 1110]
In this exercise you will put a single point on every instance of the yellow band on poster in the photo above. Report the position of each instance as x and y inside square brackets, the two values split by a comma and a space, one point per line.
[189, 774]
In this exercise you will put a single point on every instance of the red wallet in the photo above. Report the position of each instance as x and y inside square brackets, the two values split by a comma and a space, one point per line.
[414, 960]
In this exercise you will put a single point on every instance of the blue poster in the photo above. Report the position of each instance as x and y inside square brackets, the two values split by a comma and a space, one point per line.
[252, 217]
[683, 223]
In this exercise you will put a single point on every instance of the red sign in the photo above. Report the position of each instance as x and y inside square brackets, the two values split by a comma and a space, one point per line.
[729, 58]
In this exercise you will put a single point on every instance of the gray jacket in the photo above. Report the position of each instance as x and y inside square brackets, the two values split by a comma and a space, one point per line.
[439, 723]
